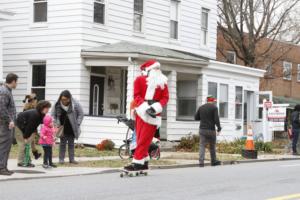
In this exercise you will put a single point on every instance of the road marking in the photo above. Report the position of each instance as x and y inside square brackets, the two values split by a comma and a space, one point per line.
[288, 197]
[293, 165]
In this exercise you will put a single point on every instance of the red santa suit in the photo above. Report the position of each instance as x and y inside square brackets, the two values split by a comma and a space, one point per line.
[150, 91]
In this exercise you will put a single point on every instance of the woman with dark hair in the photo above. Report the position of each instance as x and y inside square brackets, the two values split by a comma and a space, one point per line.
[67, 112]
[27, 123]
[295, 127]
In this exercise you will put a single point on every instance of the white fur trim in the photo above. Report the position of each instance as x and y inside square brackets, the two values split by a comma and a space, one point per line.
[141, 162]
[157, 107]
[141, 112]
[147, 158]
[150, 93]
[153, 66]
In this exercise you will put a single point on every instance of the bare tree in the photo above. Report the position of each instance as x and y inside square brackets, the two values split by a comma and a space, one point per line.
[247, 24]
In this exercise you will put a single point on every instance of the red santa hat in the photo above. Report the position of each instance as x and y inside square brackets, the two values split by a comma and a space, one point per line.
[211, 99]
[149, 65]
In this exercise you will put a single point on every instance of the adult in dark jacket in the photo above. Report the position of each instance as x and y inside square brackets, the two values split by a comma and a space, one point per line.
[68, 112]
[7, 119]
[209, 119]
[295, 128]
[27, 123]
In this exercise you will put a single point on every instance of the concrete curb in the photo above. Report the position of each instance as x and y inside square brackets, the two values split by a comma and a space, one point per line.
[111, 171]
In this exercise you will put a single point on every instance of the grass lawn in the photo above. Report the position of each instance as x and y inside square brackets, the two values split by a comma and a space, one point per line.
[79, 152]
[114, 163]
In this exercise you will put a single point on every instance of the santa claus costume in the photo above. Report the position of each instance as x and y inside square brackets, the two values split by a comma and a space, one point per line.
[151, 95]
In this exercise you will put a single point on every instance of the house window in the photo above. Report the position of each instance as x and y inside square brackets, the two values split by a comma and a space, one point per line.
[138, 15]
[298, 72]
[287, 70]
[204, 26]
[223, 101]
[231, 57]
[40, 11]
[99, 11]
[174, 19]
[213, 89]
[186, 99]
[238, 102]
[269, 70]
[39, 80]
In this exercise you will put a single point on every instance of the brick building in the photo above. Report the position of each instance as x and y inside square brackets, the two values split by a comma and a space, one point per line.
[282, 65]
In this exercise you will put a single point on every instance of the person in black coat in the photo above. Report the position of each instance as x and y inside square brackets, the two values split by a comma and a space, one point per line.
[295, 128]
[208, 115]
[27, 123]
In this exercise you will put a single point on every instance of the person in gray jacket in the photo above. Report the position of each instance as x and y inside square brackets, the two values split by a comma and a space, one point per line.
[7, 121]
[67, 112]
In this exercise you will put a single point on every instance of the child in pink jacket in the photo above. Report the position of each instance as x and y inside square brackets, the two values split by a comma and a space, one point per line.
[47, 140]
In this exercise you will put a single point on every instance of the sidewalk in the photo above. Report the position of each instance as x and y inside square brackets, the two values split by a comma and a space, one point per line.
[38, 171]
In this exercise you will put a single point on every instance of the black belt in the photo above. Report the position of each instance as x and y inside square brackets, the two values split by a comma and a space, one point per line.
[150, 102]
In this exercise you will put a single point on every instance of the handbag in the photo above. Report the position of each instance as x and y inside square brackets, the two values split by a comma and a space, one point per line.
[60, 130]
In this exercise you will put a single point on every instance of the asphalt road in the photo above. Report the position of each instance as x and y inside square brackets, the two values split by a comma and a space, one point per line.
[247, 181]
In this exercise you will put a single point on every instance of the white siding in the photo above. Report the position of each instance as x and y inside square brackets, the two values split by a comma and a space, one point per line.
[1, 56]
[96, 129]
[57, 42]
[119, 25]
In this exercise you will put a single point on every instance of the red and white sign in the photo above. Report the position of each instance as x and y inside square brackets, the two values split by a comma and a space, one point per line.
[268, 104]
[276, 113]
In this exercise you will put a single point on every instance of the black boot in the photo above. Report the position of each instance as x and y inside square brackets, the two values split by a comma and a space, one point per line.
[146, 165]
[36, 154]
[216, 163]
[134, 167]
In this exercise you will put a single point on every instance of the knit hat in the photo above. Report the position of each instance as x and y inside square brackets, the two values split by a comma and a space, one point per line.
[211, 99]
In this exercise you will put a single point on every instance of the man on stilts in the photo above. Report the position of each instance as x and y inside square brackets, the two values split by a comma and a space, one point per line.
[151, 95]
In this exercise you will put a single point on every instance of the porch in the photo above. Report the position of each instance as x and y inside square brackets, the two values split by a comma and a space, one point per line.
[113, 69]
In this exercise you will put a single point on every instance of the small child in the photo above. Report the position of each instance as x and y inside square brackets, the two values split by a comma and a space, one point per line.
[47, 140]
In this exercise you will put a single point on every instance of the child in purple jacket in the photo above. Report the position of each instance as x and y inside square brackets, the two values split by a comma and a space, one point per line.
[47, 140]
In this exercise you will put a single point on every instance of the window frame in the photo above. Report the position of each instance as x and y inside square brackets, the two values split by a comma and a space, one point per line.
[30, 86]
[205, 29]
[218, 84]
[104, 3]
[172, 20]
[240, 104]
[234, 56]
[34, 2]
[219, 100]
[141, 14]
[178, 98]
[291, 74]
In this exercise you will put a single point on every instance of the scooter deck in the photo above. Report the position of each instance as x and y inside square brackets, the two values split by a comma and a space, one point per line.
[133, 173]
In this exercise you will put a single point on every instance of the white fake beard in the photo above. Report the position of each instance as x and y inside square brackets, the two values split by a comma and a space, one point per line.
[155, 79]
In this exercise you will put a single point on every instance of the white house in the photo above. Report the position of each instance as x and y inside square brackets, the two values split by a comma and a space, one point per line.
[4, 15]
[94, 49]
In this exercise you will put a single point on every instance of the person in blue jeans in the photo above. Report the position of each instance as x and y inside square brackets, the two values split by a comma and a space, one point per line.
[295, 128]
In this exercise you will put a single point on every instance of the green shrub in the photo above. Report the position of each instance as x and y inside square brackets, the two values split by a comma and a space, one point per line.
[189, 143]
[264, 146]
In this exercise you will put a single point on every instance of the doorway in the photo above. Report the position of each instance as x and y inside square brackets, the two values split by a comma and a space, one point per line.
[96, 95]
[249, 109]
